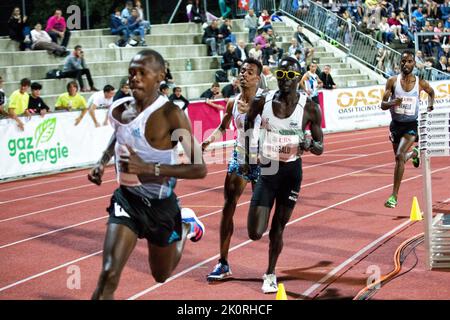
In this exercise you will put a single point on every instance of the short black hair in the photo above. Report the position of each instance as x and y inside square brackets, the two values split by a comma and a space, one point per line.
[164, 86]
[108, 88]
[36, 86]
[176, 88]
[153, 56]
[293, 61]
[410, 52]
[77, 47]
[25, 82]
[72, 83]
[298, 51]
[256, 62]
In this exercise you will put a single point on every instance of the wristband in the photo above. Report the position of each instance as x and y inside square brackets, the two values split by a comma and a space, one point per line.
[157, 169]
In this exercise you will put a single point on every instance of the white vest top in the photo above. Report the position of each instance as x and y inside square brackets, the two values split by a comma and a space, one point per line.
[408, 111]
[281, 137]
[133, 135]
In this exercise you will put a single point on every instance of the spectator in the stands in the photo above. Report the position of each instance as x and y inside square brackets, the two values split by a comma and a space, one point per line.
[442, 65]
[386, 33]
[126, 12]
[18, 103]
[264, 21]
[213, 92]
[302, 39]
[42, 41]
[57, 28]
[198, 14]
[421, 64]
[395, 25]
[119, 27]
[419, 16]
[293, 47]
[327, 79]
[72, 100]
[212, 37]
[256, 52]
[19, 30]
[169, 78]
[241, 51]
[177, 96]
[226, 30]
[135, 26]
[101, 99]
[251, 23]
[445, 10]
[231, 89]
[75, 67]
[124, 90]
[274, 53]
[145, 23]
[266, 78]
[3, 112]
[230, 60]
[35, 104]
[164, 90]
[445, 51]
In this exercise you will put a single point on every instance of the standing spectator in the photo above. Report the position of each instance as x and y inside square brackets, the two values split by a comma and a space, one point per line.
[57, 28]
[326, 78]
[211, 37]
[100, 99]
[3, 113]
[136, 27]
[75, 67]
[251, 22]
[311, 82]
[72, 100]
[18, 103]
[19, 30]
[231, 89]
[177, 96]
[164, 89]
[35, 104]
[42, 41]
[145, 23]
[126, 12]
[119, 27]
[124, 90]
[256, 52]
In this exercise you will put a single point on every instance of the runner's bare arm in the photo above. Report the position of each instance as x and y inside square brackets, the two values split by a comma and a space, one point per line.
[220, 130]
[425, 86]
[95, 176]
[389, 91]
[313, 116]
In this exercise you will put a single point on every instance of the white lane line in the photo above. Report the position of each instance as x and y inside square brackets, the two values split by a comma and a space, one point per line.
[351, 259]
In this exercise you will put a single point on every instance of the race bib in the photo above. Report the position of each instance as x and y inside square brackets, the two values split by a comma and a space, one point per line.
[280, 147]
[408, 106]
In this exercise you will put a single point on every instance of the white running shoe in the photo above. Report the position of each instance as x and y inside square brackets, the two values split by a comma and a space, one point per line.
[270, 283]
[197, 228]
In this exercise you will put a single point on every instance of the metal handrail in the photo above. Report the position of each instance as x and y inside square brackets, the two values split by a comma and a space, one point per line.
[356, 44]
[175, 11]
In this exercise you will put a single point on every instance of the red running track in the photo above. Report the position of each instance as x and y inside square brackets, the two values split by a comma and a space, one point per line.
[339, 228]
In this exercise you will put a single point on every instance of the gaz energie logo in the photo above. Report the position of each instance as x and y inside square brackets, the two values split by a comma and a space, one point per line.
[38, 148]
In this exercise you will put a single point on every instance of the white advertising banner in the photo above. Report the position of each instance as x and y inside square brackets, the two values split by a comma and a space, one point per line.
[359, 108]
[51, 143]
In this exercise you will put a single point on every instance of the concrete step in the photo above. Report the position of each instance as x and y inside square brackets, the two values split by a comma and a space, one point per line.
[352, 77]
[361, 83]
[344, 71]
[328, 60]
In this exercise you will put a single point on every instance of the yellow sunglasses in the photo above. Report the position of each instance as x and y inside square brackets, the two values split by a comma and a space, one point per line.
[280, 74]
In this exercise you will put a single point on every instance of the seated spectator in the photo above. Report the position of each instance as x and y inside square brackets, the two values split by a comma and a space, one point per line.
[169, 78]
[273, 49]
[118, 26]
[386, 34]
[293, 47]
[395, 25]
[126, 12]
[135, 26]
[18, 103]
[19, 30]
[177, 96]
[419, 16]
[251, 23]
[265, 45]
[445, 10]
[57, 28]
[42, 41]
[226, 31]
[421, 64]
[211, 94]
[231, 89]
[230, 61]
[300, 57]
[144, 23]
[3, 113]
[35, 104]
[164, 89]
[445, 51]
[241, 51]
[72, 100]
[198, 14]
[75, 67]
[124, 90]
[101, 99]
[256, 52]
[264, 21]
[189, 13]
[442, 65]
[266, 78]
[326, 78]
[211, 37]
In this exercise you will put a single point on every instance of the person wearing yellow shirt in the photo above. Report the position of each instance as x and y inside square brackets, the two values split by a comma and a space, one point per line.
[18, 103]
[72, 100]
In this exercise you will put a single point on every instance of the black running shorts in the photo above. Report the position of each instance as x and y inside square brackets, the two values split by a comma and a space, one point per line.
[157, 220]
[399, 129]
[284, 186]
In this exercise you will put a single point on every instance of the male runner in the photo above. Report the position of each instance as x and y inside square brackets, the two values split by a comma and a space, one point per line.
[145, 206]
[404, 93]
[236, 180]
[285, 113]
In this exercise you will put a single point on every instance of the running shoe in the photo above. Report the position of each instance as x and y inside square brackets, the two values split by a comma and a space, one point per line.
[270, 283]
[197, 228]
[221, 271]
[391, 202]
[416, 159]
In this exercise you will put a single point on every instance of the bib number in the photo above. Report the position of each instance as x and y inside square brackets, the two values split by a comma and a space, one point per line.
[408, 106]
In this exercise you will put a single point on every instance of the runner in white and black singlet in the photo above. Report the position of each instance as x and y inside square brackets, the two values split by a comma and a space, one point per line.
[402, 99]
[147, 129]
[285, 113]
[236, 180]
